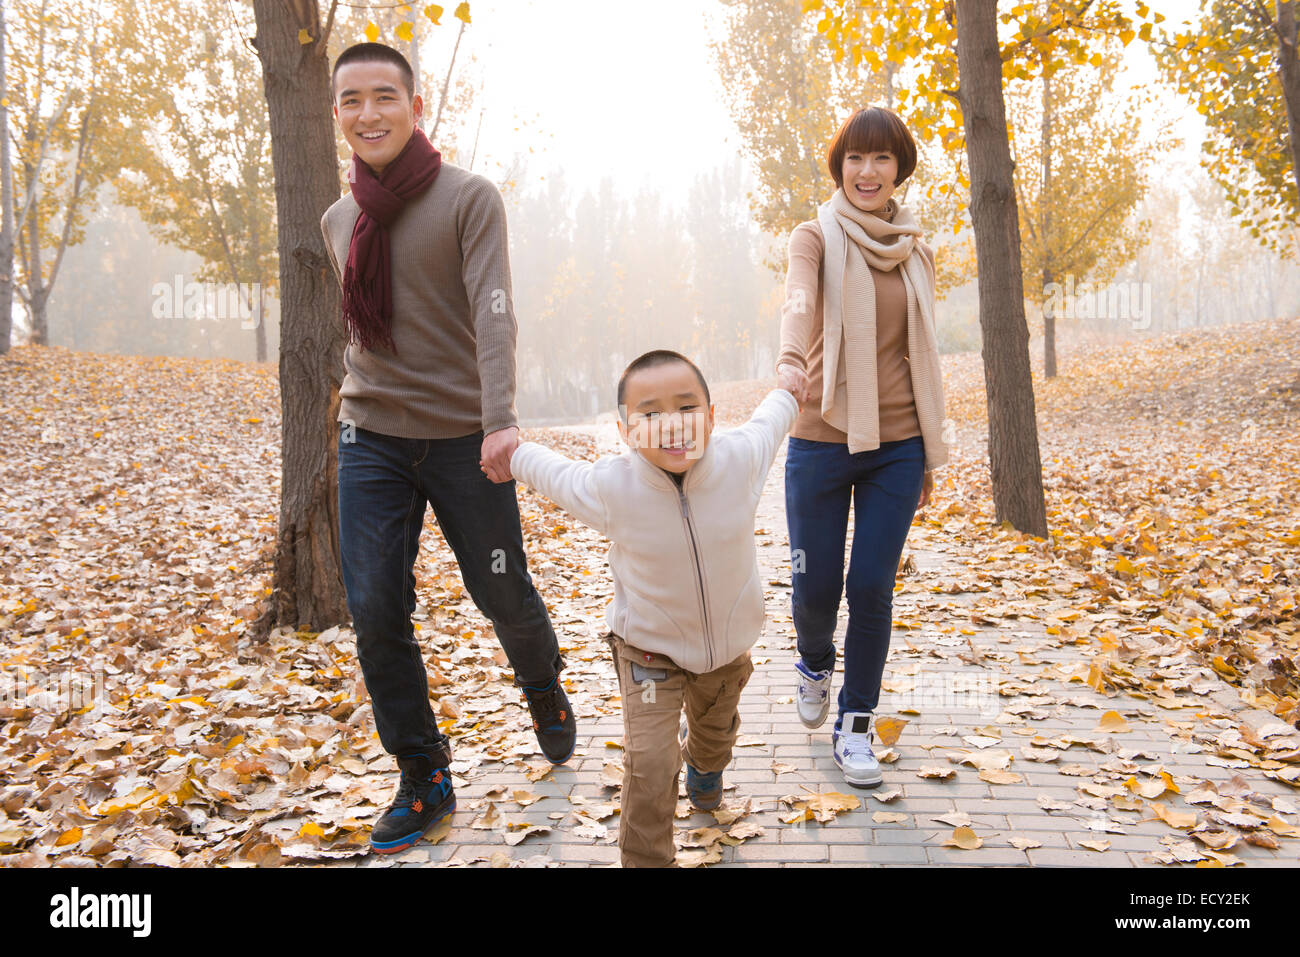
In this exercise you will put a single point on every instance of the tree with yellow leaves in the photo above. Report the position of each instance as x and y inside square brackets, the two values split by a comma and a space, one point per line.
[787, 96]
[65, 114]
[1081, 167]
[1240, 67]
[202, 179]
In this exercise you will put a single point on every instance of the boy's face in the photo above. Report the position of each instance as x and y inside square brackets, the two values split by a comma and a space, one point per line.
[374, 111]
[666, 417]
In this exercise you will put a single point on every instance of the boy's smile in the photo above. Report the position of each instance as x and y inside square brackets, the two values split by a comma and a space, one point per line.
[374, 111]
[665, 417]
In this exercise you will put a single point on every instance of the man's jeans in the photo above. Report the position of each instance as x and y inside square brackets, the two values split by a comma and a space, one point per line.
[885, 486]
[384, 483]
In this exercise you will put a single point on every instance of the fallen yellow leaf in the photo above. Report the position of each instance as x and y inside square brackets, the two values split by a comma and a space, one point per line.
[965, 838]
[1179, 819]
[1113, 722]
[888, 729]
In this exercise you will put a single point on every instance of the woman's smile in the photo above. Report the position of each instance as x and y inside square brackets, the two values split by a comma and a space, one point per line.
[869, 178]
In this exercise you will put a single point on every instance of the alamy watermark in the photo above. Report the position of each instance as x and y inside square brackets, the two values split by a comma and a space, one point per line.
[969, 692]
[179, 299]
[62, 692]
[1122, 301]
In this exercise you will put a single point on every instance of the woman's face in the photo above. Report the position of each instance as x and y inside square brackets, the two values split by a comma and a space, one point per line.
[869, 179]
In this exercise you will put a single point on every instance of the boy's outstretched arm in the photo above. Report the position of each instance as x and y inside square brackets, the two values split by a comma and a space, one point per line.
[774, 417]
[569, 484]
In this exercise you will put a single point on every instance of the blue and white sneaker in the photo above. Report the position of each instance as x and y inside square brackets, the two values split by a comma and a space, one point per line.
[853, 750]
[813, 695]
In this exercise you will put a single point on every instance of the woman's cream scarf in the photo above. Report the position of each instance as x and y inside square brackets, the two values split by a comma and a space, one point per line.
[855, 239]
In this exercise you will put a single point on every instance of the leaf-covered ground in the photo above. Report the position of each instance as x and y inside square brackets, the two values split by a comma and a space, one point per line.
[139, 723]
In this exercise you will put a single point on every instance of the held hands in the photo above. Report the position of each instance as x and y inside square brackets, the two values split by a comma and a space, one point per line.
[793, 381]
[927, 487]
[498, 447]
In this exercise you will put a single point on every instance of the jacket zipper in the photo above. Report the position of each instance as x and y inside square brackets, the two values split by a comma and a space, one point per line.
[699, 575]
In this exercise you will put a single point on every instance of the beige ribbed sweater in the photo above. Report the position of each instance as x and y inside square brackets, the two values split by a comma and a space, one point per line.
[454, 328]
[898, 380]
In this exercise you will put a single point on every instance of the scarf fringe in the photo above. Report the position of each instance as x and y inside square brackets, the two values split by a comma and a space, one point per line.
[367, 327]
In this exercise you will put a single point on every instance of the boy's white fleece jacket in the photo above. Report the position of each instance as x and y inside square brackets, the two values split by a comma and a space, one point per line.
[686, 581]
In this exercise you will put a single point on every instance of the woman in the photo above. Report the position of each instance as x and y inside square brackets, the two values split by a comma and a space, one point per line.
[858, 344]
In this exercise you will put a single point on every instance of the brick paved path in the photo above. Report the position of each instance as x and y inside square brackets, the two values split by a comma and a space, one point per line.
[1002, 815]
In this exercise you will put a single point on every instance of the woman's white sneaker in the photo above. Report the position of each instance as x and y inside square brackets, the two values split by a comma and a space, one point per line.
[853, 750]
[813, 695]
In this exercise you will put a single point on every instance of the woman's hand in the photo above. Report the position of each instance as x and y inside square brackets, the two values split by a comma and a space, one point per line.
[794, 381]
[927, 486]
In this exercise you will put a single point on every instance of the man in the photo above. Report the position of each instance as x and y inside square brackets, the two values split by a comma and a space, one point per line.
[427, 415]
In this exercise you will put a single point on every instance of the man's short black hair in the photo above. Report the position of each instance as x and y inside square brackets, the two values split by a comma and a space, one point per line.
[659, 357]
[375, 53]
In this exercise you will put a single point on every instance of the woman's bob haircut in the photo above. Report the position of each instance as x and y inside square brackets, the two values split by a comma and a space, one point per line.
[872, 130]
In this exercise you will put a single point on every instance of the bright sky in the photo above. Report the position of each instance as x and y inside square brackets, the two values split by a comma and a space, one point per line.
[628, 90]
[604, 88]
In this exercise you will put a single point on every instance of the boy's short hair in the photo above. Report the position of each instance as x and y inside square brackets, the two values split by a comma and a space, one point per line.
[659, 357]
[375, 53]
[868, 131]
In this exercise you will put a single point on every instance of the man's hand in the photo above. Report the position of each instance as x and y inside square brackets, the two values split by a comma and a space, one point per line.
[927, 486]
[793, 381]
[498, 447]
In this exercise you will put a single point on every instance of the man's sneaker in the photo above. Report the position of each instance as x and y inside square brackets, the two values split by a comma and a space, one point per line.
[553, 722]
[853, 750]
[813, 695]
[703, 790]
[424, 797]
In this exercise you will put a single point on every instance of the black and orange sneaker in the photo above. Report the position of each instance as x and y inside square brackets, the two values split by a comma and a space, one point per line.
[553, 722]
[424, 797]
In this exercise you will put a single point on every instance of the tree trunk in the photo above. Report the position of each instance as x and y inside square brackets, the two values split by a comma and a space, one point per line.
[1013, 433]
[1045, 202]
[307, 582]
[1049, 331]
[260, 329]
[413, 57]
[446, 84]
[36, 291]
[6, 205]
[1288, 33]
[1267, 275]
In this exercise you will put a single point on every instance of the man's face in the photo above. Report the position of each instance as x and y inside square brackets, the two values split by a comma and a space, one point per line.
[374, 111]
[666, 418]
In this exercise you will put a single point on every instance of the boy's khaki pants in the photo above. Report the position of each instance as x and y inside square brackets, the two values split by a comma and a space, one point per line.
[654, 691]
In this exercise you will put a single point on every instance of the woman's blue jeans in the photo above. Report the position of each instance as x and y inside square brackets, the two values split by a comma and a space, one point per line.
[884, 485]
[384, 483]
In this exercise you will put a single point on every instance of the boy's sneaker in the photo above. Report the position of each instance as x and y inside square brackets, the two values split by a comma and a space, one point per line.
[424, 797]
[853, 750]
[553, 722]
[813, 695]
[703, 790]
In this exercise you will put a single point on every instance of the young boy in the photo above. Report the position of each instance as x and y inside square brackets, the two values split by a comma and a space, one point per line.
[678, 509]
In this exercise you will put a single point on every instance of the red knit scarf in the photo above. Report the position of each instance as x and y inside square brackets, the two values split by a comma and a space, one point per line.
[367, 279]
